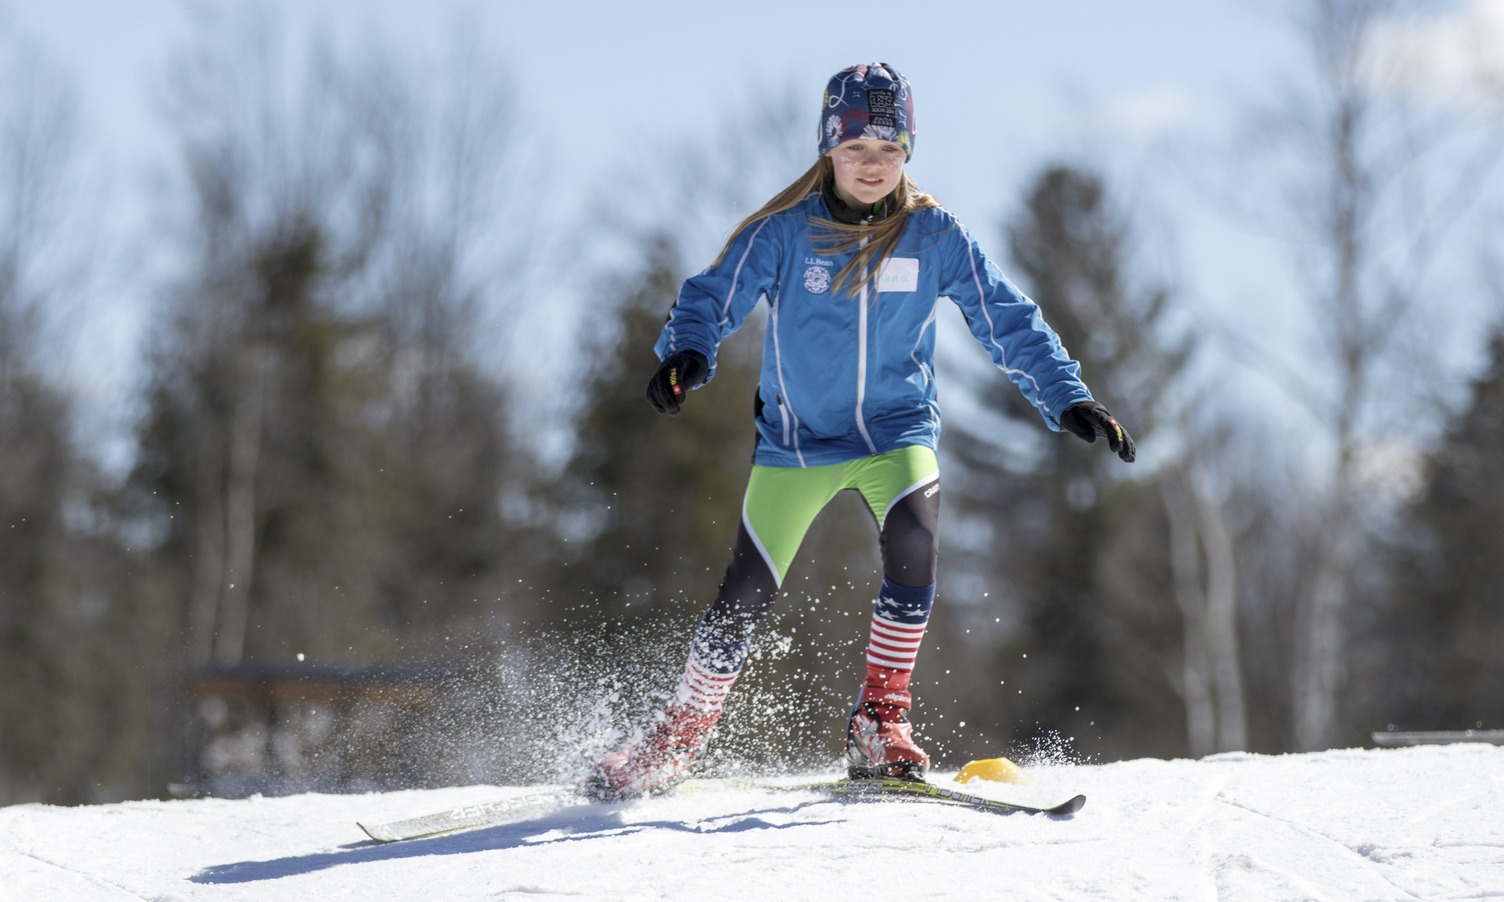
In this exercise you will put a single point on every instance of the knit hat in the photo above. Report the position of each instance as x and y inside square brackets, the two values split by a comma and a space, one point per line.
[871, 101]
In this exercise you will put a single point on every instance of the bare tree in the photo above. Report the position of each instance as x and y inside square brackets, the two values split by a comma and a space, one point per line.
[1367, 212]
[1203, 560]
[38, 165]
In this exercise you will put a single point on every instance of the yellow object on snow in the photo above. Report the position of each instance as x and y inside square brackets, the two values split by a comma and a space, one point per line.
[994, 770]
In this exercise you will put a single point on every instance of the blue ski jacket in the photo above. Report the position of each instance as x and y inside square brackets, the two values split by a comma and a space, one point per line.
[849, 376]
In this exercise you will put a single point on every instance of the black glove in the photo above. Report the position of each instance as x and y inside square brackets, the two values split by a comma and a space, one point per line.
[1090, 419]
[677, 374]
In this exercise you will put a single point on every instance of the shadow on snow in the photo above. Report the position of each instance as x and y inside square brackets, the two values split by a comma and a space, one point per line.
[575, 824]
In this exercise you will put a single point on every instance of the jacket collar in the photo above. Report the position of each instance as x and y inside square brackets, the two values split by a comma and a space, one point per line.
[840, 212]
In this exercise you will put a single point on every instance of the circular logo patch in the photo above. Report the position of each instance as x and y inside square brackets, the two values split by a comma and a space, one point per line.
[816, 280]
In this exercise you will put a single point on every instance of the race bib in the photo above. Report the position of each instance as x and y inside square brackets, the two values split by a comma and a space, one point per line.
[899, 274]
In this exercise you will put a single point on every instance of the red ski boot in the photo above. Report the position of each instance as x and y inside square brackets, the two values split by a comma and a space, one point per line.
[658, 763]
[879, 738]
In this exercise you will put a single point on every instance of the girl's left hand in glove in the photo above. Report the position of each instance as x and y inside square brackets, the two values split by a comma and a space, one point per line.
[1090, 419]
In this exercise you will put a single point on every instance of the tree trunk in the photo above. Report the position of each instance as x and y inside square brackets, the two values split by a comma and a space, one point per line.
[1320, 643]
[240, 508]
[1185, 565]
[1205, 580]
[1222, 641]
[208, 542]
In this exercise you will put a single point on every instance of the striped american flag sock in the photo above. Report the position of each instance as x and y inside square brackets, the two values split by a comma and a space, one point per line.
[899, 619]
[713, 666]
[703, 691]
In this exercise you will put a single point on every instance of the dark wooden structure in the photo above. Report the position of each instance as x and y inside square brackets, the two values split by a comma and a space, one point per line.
[275, 728]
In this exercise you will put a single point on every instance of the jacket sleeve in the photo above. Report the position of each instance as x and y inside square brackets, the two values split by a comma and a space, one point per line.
[715, 303]
[1012, 329]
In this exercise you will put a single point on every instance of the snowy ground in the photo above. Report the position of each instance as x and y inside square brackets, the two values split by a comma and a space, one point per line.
[1422, 823]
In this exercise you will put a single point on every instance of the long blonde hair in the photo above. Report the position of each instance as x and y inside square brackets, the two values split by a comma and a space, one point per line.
[881, 236]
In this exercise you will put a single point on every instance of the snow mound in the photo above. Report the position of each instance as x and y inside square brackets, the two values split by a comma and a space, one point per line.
[1424, 822]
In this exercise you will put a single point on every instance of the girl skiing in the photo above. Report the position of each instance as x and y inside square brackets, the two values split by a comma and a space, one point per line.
[852, 259]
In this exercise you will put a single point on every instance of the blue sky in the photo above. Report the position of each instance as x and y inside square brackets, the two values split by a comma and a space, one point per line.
[999, 84]
[1145, 90]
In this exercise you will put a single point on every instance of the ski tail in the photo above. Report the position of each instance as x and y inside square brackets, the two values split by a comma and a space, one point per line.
[470, 817]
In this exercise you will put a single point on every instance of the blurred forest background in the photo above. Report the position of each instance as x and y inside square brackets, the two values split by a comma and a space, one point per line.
[374, 533]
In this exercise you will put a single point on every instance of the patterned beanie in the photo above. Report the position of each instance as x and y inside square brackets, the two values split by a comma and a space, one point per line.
[871, 101]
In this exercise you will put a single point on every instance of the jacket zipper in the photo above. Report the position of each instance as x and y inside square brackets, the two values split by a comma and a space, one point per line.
[861, 363]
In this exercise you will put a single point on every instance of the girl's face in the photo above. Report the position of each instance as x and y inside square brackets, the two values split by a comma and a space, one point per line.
[867, 170]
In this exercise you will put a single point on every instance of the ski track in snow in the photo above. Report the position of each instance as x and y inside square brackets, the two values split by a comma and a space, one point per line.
[1424, 823]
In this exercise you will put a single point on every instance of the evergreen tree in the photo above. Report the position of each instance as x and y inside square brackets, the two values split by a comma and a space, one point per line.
[656, 498]
[70, 684]
[1441, 669]
[1067, 552]
[322, 457]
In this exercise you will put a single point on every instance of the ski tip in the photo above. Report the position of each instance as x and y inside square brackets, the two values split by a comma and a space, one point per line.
[1068, 807]
[377, 832]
